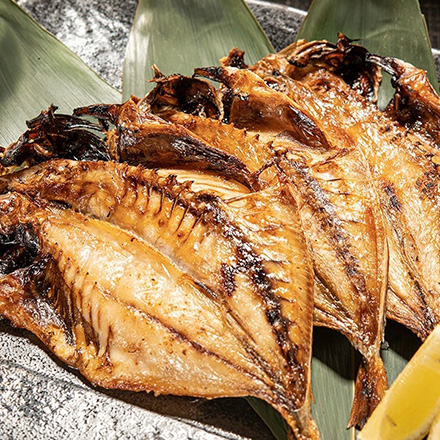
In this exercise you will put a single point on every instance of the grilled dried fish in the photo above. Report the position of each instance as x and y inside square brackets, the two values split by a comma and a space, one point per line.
[140, 137]
[338, 206]
[406, 178]
[176, 252]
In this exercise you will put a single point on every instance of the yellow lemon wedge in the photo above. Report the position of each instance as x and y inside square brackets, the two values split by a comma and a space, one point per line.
[410, 406]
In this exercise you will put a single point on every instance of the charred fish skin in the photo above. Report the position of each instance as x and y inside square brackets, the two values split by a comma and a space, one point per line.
[338, 206]
[53, 135]
[247, 147]
[193, 95]
[141, 138]
[406, 179]
[415, 104]
[138, 137]
[233, 254]
[343, 58]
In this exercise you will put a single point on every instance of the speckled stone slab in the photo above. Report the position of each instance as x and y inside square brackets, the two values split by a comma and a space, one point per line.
[39, 397]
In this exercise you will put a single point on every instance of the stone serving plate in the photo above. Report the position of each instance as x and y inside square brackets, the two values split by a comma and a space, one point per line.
[40, 398]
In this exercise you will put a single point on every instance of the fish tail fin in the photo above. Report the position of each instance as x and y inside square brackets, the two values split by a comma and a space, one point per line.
[309, 431]
[371, 384]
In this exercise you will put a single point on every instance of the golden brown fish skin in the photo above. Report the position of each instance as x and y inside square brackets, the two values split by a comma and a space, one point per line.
[246, 146]
[285, 117]
[256, 153]
[406, 178]
[338, 210]
[238, 141]
[341, 217]
[324, 299]
[232, 253]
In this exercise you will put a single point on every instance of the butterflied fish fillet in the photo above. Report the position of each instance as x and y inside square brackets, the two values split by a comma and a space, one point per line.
[218, 298]
[338, 205]
[405, 176]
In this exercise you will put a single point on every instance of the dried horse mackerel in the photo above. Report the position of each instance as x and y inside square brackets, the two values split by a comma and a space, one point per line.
[403, 162]
[144, 280]
[339, 209]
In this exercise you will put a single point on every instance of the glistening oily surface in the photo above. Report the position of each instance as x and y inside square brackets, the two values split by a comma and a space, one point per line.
[45, 422]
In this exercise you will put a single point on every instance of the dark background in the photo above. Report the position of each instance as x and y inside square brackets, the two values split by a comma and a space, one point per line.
[430, 8]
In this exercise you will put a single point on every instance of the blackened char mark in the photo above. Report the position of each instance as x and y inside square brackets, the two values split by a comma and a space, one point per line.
[36, 284]
[427, 185]
[227, 274]
[53, 135]
[13, 258]
[393, 199]
[235, 59]
[249, 262]
[169, 146]
[18, 249]
[216, 73]
[346, 59]
[329, 222]
[103, 112]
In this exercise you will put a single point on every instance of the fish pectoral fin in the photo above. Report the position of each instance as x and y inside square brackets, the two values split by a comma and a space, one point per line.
[27, 304]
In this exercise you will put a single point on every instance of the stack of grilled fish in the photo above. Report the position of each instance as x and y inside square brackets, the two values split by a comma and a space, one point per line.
[187, 242]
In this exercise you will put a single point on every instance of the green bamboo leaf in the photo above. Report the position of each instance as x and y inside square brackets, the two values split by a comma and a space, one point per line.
[37, 70]
[394, 28]
[179, 35]
[333, 373]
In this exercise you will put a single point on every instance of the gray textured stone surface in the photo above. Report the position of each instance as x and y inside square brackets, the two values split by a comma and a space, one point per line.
[95, 30]
[42, 399]
[280, 22]
[39, 397]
